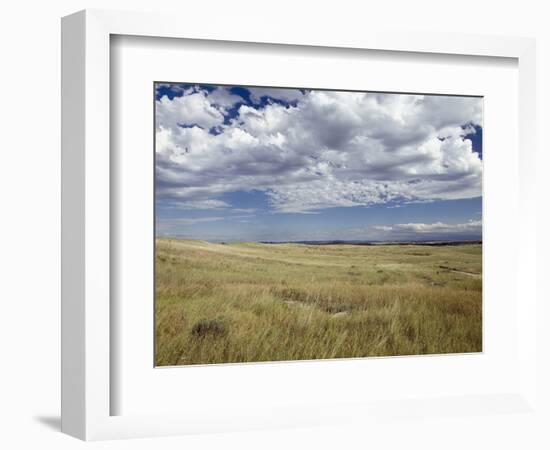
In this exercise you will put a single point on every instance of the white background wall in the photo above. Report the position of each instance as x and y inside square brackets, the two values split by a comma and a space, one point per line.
[30, 188]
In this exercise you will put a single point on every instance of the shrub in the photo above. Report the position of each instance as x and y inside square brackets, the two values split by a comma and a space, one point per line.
[213, 327]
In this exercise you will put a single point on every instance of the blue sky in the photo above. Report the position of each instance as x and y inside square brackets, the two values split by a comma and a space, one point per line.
[272, 164]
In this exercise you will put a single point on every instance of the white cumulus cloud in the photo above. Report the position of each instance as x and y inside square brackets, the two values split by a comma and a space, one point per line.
[288, 95]
[328, 149]
[471, 229]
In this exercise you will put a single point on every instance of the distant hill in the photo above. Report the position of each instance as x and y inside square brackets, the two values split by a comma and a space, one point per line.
[343, 242]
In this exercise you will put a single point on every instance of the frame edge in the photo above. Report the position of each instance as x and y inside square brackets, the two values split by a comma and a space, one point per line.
[73, 82]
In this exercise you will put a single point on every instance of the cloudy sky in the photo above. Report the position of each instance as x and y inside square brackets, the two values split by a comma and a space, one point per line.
[272, 164]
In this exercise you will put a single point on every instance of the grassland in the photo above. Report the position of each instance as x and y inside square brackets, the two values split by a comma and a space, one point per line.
[242, 302]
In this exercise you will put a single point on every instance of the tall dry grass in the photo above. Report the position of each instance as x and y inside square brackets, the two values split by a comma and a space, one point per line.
[245, 302]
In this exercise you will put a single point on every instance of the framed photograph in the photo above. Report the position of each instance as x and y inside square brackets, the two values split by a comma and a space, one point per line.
[251, 219]
[299, 224]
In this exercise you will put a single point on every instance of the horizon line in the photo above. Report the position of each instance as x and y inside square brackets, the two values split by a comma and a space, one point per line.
[323, 241]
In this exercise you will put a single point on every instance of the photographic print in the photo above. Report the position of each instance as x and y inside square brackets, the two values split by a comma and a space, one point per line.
[302, 223]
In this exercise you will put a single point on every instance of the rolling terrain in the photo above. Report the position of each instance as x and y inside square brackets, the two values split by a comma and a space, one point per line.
[244, 302]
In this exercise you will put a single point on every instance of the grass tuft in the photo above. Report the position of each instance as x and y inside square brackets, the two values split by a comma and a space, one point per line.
[212, 327]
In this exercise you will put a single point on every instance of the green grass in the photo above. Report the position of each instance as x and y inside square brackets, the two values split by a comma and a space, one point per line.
[243, 302]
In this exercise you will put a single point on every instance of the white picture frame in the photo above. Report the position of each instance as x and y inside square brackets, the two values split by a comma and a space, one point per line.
[86, 224]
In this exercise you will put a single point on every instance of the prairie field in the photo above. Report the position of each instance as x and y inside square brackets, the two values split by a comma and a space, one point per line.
[245, 302]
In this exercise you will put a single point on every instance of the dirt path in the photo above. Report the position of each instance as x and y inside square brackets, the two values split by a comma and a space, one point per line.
[256, 254]
[470, 274]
